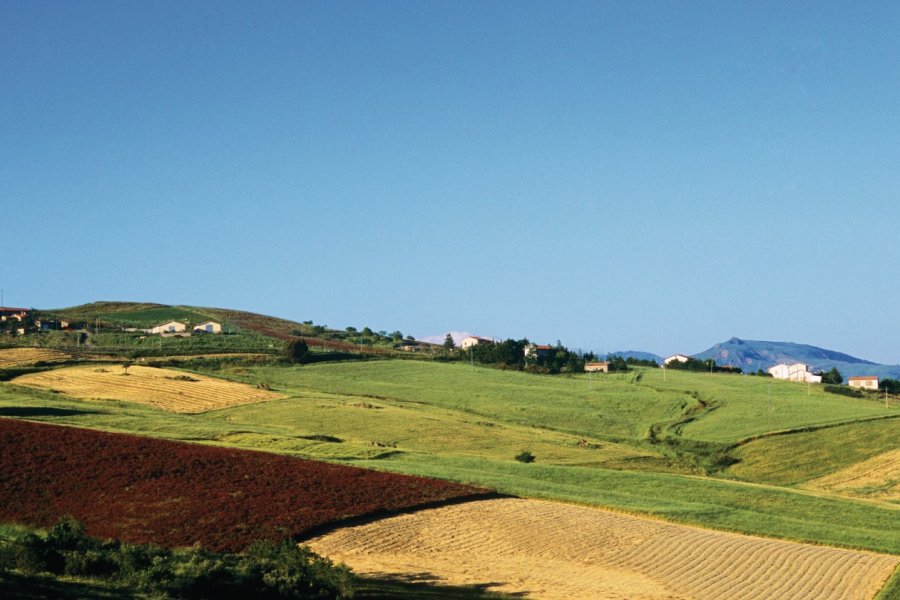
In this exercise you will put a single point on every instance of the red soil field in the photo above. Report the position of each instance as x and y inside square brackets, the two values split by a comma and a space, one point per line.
[140, 489]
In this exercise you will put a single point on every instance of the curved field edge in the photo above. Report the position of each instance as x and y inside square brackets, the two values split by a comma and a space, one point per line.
[796, 457]
[594, 553]
[718, 504]
[143, 489]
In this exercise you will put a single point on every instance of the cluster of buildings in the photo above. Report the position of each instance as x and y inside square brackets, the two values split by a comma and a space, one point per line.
[177, 328]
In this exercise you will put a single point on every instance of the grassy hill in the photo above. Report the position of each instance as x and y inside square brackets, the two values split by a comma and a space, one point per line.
[646, 441]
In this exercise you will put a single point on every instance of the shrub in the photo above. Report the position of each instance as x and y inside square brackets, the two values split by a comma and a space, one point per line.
[525, 457]
[843, 390]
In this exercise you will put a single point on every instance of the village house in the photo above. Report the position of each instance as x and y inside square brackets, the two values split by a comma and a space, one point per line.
[794, 372]
[869, 382]
[596, 367]
[170, 327]
[679, 357]
[537, 350]
[8, 313]
[208, 327]
[473, 340]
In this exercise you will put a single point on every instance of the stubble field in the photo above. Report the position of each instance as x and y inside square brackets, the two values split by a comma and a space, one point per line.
[165, 389]
[558, 551]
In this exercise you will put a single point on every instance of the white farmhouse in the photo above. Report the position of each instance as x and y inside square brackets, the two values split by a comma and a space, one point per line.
[794, 372]
[209, 327]
[473, 340]
[679, 357]
[867, 382]
[170, 327]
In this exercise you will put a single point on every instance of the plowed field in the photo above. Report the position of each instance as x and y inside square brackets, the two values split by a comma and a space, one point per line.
[17, 357]
[165, 389]
[560, 551]
[141, 489]
[878, 477]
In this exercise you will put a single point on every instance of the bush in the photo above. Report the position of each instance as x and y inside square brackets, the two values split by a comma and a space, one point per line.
[843, 390]
[525, 457]
[265, 570]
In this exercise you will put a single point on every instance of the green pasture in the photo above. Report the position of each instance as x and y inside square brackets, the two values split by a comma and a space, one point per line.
[799, 457]
[699, 406]
[148, 317]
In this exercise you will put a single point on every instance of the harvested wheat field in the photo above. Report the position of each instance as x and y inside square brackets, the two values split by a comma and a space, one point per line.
[18, 357]
[878, 477]
[165, 389]
[550, 550]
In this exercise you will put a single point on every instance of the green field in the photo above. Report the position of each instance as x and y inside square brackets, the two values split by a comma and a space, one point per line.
[634, 442]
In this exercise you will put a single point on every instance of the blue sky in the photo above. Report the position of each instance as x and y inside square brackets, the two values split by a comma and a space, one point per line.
[616, 175]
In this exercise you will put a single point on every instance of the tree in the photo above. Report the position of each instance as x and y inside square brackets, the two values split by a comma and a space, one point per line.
[448, 342]
[297, 351]
[833, 376]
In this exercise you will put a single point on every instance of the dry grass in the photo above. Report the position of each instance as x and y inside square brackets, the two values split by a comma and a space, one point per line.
[556, 551]
[165, 389]
[878, 477]
[21, 357]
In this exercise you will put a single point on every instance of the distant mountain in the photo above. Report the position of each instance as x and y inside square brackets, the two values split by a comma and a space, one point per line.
[638, 355]
[751, 355]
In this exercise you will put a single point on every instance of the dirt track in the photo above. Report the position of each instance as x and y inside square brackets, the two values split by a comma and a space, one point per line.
[560, 551]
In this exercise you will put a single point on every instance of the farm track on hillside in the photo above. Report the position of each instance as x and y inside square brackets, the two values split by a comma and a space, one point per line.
[165, 389]
[560, 551]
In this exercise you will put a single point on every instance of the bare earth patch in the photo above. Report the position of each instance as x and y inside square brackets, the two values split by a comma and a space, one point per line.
[560, 551]
[166, 389]
[878, 477]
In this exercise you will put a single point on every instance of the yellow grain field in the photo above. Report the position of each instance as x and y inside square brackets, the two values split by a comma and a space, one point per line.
[165, 389]
[20, 357]
[558, 551]
[878, 477]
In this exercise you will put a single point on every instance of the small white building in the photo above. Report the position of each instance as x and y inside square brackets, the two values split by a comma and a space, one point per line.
[596, 367]
[474, 340]
[209, 327]
[794, 372]
[679, 357]
[170, 327]
[869, 382]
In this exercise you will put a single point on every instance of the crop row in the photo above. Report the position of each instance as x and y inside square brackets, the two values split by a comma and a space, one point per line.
[174, 494]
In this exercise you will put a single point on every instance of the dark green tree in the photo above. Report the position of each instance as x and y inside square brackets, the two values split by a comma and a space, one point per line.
[448, 342]
[833, 376]
[297, 351]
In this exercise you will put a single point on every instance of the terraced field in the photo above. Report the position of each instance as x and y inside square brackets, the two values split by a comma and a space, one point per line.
[18, 357]
[550, 550]
[165, 389]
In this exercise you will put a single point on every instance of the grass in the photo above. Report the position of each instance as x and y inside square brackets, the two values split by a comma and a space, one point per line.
[799, 457]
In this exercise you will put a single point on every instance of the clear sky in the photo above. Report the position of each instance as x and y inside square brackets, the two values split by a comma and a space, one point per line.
[653, 176]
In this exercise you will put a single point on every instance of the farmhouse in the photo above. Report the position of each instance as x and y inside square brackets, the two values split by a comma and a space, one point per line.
[537, 350]
[208, 327]
[596, 367]
[679, 357]
[170, 327]
[8, 313]
[865, 382]
[794, 372]
[473, 340]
